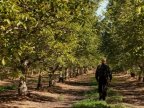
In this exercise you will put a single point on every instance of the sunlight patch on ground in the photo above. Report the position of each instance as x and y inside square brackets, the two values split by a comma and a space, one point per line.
[4, 83]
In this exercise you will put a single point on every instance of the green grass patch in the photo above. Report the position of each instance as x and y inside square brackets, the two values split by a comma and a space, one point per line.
[120, 105]
[6, 88]
[92, 94]
[113, 100]
[91, 103]
[114, 96]
[93, 82]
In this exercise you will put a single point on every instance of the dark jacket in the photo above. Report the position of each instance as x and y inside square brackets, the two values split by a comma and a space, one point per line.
[103, 73]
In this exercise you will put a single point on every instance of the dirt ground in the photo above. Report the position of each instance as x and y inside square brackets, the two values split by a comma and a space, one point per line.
[63, 95]
[131, 89]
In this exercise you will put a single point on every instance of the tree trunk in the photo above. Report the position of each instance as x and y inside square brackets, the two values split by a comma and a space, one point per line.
[51, 75]
[139, 76]
[143, 75]
[50, 80]
[70, 72]
[66, 73]
[23, 67]
[80, 71]
[22, 88]
[140, 73]
[76, 71]
[61, 76]
[39, 85]
[85, 70]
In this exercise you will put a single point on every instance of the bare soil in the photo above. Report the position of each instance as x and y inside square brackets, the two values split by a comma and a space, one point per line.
[62, 95]
[131, 89]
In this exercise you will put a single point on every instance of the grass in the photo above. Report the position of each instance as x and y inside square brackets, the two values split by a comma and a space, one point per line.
[91, 103]
[114, 96]
[113, 100]
[93, 82]
[119, 105]
[6, 88]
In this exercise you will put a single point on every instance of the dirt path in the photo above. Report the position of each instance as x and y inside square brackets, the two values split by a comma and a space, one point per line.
[60, 96]
[73, 90]
[131, 89]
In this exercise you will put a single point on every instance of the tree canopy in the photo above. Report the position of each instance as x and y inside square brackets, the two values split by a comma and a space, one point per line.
[49, 33]
[123, 32]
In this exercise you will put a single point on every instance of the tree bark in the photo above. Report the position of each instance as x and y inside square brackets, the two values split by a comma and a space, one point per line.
[51, 75]
[66, 73]
[85, 70]
[23, 67]
[140, 73]
[39, 85]
[22, 88]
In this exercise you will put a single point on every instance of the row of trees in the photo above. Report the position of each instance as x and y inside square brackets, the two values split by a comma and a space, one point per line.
[47, 35]
[123, 34]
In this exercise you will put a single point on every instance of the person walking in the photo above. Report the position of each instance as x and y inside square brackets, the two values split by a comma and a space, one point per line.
[102, 75]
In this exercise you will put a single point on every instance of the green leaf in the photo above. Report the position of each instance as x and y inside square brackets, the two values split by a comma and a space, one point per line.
[7, 20]
[3, 61]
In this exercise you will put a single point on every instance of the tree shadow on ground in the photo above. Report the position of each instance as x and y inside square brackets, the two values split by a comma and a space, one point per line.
[75, 91]
[4, 98]
[72, 83]
[133, 91]
[60, 90]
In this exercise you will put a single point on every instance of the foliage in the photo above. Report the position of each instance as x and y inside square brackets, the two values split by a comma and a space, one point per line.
[47, 34]
[123, 33]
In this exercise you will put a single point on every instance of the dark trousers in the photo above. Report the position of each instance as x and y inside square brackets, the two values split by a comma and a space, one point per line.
[102, 89]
